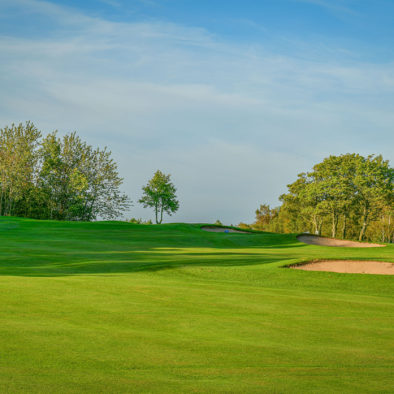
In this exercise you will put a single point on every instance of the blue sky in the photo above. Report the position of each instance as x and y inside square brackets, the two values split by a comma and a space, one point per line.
[233, 98]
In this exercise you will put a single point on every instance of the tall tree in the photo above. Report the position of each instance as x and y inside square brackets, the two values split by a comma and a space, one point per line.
[347, 192]
[80, 183]
[159, 194]
[331, 185]
[303, 206]
[264, 217]
[56, 178]
[373, 189]
[18, 164]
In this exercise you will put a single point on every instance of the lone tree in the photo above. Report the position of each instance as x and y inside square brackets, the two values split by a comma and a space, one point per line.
[159, 193]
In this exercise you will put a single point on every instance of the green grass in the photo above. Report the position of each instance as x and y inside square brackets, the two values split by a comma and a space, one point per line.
[113, 307]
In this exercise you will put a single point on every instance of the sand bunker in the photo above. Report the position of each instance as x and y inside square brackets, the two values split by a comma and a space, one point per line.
[348, 267]
[322, 241]
[215, 229]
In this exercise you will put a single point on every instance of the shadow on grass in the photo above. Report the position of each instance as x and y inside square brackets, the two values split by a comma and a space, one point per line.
[123, 262]
[50, 249]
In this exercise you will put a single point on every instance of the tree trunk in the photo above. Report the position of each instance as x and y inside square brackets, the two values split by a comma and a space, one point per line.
[334, 225]
[315, 225]
[88, 211]
[364, 225]
[383, 232]
[9, 208]
[320, 225]
[362, 232]
[161, 215]
[156, 212]
[344, 228]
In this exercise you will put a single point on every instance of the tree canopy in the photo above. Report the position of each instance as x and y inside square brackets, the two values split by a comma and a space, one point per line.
[57, 178]
[347, 196]
[159, 194]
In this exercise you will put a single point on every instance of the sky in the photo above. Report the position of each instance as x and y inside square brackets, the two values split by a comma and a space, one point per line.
[232, 98]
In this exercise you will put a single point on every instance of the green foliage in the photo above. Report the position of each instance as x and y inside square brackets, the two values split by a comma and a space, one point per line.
[139, 221]
[18, 166]
[341, 197]
[159, 194]
[56, 178]
[218, 223]
[264, 217]
[244, 226]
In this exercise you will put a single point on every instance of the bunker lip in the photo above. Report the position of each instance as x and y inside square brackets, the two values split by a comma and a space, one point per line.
[218, 229]
[347, 266]
[323, 241]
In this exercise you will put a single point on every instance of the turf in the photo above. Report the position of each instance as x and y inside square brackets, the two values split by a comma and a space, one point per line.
[115, 307]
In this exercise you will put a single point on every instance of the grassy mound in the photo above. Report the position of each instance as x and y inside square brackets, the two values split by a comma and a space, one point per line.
[118, 307]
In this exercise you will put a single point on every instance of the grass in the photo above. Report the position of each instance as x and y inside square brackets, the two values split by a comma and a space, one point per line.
[116, 307]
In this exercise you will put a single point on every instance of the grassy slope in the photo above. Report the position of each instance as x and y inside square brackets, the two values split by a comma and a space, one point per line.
[116, 307]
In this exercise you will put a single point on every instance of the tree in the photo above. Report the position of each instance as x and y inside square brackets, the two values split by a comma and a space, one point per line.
[349, 192]
[79, 182]
[56, 178]
[331, 185]
[302, 207]
[374, 189]
[18, 163]
[159, 194]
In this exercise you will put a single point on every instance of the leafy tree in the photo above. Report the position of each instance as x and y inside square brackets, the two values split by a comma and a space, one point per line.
[18, 163]
[80, 183]
[331, 186]
[245, 226]
[56, 178]
[139, 221]
[383, 228]
[373, 189]
[159, 194]
[348, 194]
[302, 207]
[265, 217]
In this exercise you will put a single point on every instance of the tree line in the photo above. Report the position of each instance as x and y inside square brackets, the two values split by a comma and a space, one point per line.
[52, 177]
[63, 178]
[347, 196]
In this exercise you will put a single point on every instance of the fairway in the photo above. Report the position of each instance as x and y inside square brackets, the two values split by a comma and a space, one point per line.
[113, 307]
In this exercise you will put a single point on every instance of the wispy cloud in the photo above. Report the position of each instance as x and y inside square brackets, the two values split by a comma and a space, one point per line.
[331, 5]
[237, 120]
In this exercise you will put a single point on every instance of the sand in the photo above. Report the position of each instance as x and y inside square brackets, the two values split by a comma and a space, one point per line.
[215, 229]
[322, 241]
[348, 267]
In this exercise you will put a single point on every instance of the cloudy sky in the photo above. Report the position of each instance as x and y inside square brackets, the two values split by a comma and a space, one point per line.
[232, 98]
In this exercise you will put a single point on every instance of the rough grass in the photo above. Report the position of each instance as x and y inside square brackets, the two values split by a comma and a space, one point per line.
[117, 307]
